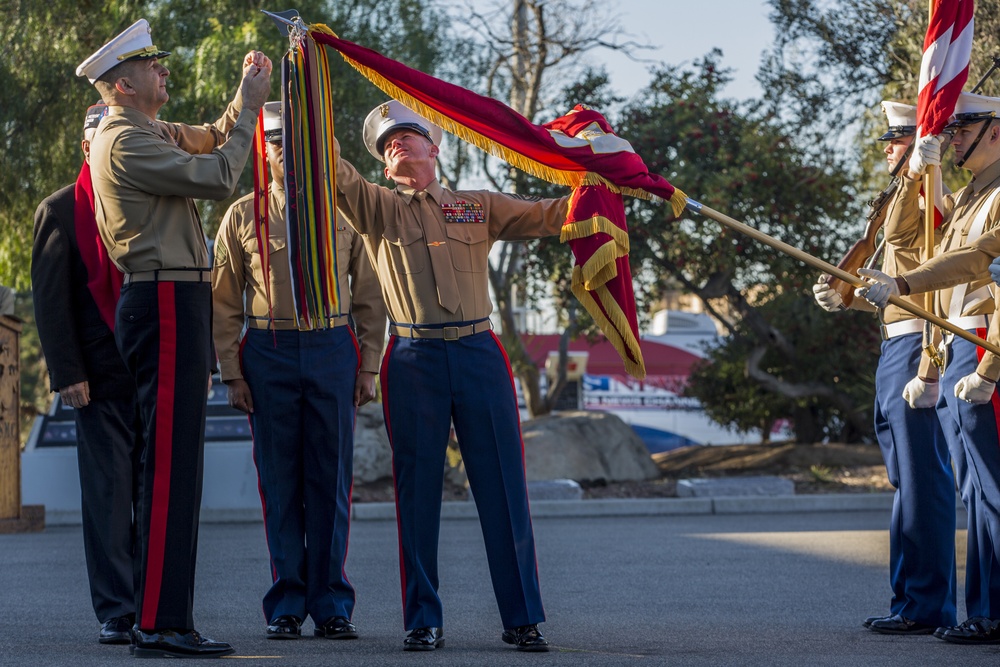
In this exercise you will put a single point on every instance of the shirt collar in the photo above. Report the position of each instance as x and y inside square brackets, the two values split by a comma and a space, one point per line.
[433, 190]
[986, 177]
[133, 114]
[278, 192]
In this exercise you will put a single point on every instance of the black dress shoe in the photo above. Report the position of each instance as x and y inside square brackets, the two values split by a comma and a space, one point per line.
[116, 630]
[977, 630]
[175, 644]
[526, 638]
[337, 627]
[871, 619]
[899, 625]
[284, 627]
[424, 639]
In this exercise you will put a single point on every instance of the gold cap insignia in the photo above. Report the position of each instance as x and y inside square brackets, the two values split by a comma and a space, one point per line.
[384, 110]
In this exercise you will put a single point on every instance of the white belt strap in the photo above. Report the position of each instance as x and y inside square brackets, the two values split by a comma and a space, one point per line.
[901, 328]
[970, 322]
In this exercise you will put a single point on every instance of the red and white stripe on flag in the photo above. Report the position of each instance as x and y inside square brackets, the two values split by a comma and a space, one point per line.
[944, 69]
[944, 66]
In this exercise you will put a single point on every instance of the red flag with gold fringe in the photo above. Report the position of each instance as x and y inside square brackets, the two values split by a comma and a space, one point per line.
[579, 150]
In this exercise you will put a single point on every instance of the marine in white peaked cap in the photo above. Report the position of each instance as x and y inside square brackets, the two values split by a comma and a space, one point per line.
[133, 43]
[902, 120]
[146, 174]
[390, 117]
[959, 273]
[272, 121]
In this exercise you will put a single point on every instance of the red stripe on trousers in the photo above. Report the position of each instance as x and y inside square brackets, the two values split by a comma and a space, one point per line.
[995, 398]
[164, 429]
[513, 387]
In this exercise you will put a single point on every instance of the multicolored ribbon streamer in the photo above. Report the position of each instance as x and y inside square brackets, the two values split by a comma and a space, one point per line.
[579, 150]
[310, 185]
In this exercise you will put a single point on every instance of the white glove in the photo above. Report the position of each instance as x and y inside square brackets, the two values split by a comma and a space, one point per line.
[828, 298]
[920, 394]
[879, 288]
[926, 152]
[975, 389]
[995, 270]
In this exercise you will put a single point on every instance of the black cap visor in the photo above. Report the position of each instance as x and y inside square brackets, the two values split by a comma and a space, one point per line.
[963, 119]
[898, 132]
[420, 129]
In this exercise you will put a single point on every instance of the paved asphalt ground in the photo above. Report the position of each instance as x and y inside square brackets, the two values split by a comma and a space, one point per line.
[708, 589]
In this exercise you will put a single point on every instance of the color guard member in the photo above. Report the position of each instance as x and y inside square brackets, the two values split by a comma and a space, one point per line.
[922, 528]
[960, 276]
[145, 174]
[301, 390]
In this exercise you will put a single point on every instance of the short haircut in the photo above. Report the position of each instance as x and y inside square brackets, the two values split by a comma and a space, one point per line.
[118, 71]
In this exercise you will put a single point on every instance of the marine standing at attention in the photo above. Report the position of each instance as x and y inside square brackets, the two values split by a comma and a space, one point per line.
[969, 406]
[301, 390]
[917, 462]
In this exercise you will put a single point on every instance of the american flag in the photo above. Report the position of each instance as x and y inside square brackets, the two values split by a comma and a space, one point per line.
[944, 69]
[944, 66]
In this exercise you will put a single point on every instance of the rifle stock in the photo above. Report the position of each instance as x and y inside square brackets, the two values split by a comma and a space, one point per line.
[865, 247]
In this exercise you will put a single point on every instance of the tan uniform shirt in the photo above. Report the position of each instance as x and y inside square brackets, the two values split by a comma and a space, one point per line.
[904, 234]
[418, 241]
[960, 262]
[238, 289]
[145, 174]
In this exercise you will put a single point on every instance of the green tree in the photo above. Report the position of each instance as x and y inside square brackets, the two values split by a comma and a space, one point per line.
[743, 160]
[41, 108]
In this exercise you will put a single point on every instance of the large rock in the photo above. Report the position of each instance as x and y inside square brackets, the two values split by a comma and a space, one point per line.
[571, 445]
[372, 454]
[585, 446]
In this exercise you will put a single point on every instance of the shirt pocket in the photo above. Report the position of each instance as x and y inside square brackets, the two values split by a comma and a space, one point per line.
[277, 254]
[469, 251]
[344, 235]
[407, 248]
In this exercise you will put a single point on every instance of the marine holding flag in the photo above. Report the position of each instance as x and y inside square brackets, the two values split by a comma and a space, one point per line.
[444, 365]
[969, 407]
[922, 528]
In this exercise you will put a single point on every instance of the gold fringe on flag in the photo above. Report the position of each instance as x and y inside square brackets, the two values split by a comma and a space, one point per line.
[612, 321]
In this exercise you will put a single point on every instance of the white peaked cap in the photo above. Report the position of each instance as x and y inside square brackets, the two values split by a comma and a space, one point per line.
[902, 119]
[394, 116]
[272, 117]
[133, 43]
[976, 107]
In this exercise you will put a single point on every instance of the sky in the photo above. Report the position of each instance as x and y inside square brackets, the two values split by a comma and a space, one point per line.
[683, 31]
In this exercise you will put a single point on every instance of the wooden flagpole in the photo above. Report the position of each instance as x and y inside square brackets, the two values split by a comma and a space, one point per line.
[929, 175]
[826, 267]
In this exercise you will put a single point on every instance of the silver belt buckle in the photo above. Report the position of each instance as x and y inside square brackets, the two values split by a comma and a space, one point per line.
[450, 333]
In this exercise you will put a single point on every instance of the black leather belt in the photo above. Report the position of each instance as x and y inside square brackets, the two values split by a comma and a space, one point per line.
[170, 275]
[445, 331]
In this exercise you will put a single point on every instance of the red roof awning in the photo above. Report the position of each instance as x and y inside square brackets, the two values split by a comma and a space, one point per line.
[603, 359]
